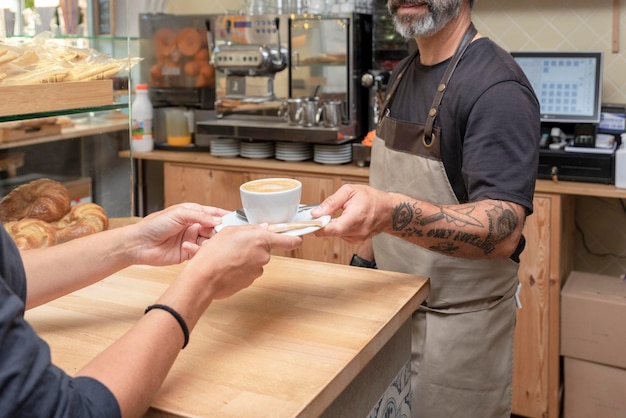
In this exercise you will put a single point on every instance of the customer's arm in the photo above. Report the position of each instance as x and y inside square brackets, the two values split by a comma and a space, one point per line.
[164, 237]
[134, 367]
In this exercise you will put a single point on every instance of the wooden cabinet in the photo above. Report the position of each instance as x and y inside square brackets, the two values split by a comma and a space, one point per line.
[220, 187]
[545, 264]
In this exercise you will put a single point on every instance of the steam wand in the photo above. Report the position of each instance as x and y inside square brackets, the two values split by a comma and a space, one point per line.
[279, 49]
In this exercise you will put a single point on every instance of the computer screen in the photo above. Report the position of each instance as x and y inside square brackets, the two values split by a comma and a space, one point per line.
[568, 84]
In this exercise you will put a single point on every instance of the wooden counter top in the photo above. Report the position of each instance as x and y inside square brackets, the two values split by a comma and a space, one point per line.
[351, 170]
[285, 347]
[205, 158]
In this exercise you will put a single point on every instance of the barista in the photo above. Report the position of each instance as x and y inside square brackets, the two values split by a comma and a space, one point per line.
[452, 179]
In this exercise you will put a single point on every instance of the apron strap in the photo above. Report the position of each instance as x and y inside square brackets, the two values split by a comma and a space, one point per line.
[394, 86]
[441, 88]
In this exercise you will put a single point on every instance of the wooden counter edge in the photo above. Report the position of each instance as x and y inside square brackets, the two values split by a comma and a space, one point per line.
[205, 158]
[351, 170]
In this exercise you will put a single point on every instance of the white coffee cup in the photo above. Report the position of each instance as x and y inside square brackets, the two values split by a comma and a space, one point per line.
[271, 200]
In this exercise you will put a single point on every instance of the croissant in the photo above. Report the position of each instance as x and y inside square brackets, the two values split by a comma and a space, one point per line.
[83, 219]
[31, 233]
[43, 199]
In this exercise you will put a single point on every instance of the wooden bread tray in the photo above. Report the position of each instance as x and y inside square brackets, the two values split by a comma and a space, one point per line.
[17, 131]
[51, 97]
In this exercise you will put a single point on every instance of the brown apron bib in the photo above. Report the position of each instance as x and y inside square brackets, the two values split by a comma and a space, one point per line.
[462, 349]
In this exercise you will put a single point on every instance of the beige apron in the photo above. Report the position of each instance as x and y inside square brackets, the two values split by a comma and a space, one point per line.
[462, 347]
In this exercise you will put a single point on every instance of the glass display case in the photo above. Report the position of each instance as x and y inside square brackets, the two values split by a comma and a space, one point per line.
[328, 56]
[68, 128]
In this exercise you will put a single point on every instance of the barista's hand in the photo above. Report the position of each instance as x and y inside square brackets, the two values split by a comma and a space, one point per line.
[366, 212]
[172, 235]
[234, 258]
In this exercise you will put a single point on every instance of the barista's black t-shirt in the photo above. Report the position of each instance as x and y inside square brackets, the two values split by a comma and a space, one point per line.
[489, 119]
[30, 385]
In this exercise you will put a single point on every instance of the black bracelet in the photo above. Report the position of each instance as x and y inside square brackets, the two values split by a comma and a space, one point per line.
[176, 315]
[361, 262]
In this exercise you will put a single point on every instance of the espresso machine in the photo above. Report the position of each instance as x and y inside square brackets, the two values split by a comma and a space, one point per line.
[272, 67]
[250, 56]
[250, 65]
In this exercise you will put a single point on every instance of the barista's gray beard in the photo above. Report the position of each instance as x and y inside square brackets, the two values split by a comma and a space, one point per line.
[409, 26]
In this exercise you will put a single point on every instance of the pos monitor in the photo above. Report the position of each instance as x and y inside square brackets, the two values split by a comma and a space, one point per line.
[567, 84]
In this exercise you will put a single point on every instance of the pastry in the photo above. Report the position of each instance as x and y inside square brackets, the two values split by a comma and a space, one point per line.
[83, 219]
[43, 199]
[31, 233]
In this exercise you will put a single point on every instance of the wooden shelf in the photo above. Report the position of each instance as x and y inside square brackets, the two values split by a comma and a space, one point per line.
[76, 131]
[580, 189]
[40, 100]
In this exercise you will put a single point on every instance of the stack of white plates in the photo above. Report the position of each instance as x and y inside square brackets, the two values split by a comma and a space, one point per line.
[225, 147]
[294, 151]
[257, 149]
[332, 154]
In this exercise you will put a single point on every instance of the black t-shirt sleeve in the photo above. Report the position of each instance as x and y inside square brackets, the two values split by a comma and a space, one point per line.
[30, 385]
[500, 146]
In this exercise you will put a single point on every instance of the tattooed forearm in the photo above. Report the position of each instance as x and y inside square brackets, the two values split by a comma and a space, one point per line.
[451, 228]
[402, 216]
[502, 222]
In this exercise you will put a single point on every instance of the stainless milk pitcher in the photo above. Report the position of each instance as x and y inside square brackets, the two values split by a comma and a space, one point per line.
[333, 113]
[310, 112]
[289, 110]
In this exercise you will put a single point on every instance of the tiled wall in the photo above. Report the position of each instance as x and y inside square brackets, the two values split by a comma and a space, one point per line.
[572, 25]
[559, 25]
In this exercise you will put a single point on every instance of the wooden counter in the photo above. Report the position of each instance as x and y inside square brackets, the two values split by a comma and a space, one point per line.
[288, 346]
[351, 170]
[545, 263]
[205, 158]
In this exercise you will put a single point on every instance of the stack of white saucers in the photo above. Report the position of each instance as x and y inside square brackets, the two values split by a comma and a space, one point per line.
[225, 147]
[257, 149]
[294, 151]
[332, 154]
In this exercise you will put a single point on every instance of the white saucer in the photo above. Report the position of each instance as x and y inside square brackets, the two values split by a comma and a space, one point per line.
[234, 219]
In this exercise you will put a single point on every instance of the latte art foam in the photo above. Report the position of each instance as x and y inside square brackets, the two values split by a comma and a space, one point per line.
[269, 186]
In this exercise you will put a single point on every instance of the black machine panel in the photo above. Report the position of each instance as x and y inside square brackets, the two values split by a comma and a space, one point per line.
[570, 166]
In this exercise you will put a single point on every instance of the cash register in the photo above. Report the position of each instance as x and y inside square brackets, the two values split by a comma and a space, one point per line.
[579, 134]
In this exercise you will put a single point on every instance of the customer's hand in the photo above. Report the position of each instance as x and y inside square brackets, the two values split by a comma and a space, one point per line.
[174, 234]
[365, 212]
[234, 258]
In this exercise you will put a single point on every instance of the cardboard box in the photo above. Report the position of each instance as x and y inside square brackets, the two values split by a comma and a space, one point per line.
[593, 390]
[79, 190]
[593, 319]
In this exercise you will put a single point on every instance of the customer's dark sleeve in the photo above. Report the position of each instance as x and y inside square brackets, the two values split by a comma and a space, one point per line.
[30, 385]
